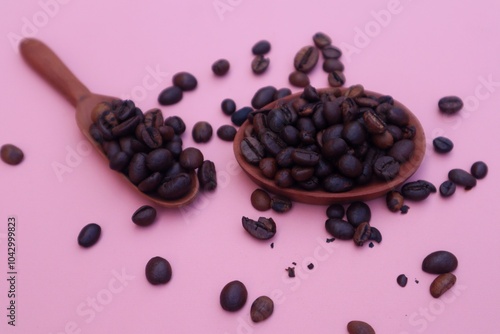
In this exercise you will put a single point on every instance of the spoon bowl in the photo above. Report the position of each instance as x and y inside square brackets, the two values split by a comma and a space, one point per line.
[48, 65]
[374, 189]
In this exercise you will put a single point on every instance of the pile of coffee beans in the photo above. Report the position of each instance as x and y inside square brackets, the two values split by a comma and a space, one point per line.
[148, 149]
[11, 154]
[441, 263]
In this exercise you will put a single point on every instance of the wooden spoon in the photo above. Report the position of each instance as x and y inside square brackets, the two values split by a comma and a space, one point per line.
[360, 193]
[46, 63]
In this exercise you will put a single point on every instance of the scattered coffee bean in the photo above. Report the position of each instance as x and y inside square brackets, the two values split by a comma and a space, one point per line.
[440, 262]
[375, 235]
[11, 154]
[357, 213]
[450, 104]
[394, 200]
[362, 234]
[321, 40]
[228, 106]
[170, 95]
[461, 178]
[191, 158]
[359, 327]
[262, 229]
[479, 170]
[261, 309]
[260, 200]
[240, 115]
[89, 235]
[339, 228]
[442, 145]
[332, 65]
[207, 176]
[176, 123]
[441, 284]
[233, 296]
[185, 81]
[336, 79]
[144, 216]
[331, 52]
[261, 48]
[298, 79]
[226, 132]
[447, 188]
[402, 280]
[260, 64]
[263, 96]
[202, 132]
[158, 271]
[335, 211]
[417, 190]
[221, 67]
[306, 59]
[281, 204]
[291, 272]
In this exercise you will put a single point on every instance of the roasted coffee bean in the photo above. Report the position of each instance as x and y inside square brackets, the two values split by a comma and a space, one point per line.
[226, 132]
[336, 79]
[119, 161]
[461, 178]
[175, 187]
[402, 150]
[233, 296]
[104, 128]
[335, 211]
[417, 190]
[221, 67]
[262, 229]
[167, 132]
[191, 158]
[125, 110]
[397, 116]
[359, 327]
[283, 178]
[357, 213]
[260, 200]
[263, 96]
[323, 168]
[281, 93]
[207, 176]
[111, 148]
[441, 284]
[127, 127]
[89, 235]
[159, 160]
[350, 166]
[96, 134]
[394, 200]
[362, 234]
[151, 183]
[409, 132]
[366, 175]
[450, 104]
[261, 48]
[353, 133]
[298, 79]
[312, 183]
[402, 280]
[373, 123]
[367, 102]
[170, 95]
[158, 271]
[281, 204]
[174, 170]
[306, 59]
[137, 168]
[440, 262]
[321, 40]
[252, 150]
[375, 235]
[272, 142]
[130, 145]
[261, 309]
[176, 123]
[304, 157]
[479, 170]
[202, 132]
[332, 65]
[447, 188]
[152, 137]
[11, 154]
[383, 141]
[228, 106]
[185, 81]
[337, 183]
[301, 174]
[174, 147]
[334, 148]
[442, 145]
[386, 168]
[240, 115]
[339, 228]
[309, 94]
[290, 135]
[332, 111]
[144, 216]
[260, 64]
[331, 52]
[395, 131]
[268, 167]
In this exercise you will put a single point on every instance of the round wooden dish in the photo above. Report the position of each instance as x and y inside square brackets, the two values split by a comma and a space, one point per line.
[370, 191]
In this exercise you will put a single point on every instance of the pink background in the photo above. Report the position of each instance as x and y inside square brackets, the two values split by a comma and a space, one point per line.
[422, 51]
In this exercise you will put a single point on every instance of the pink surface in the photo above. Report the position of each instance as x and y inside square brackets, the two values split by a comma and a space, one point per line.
[420, 52]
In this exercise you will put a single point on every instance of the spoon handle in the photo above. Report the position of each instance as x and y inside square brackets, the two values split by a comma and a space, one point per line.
[48, 65]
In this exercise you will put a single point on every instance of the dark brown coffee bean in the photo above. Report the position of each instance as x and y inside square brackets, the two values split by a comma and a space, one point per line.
[159, 160]
[334, 148]
[185, 81]
[119, 161]
[261, 48]
[262, 229]
[260, 200]
[417, 190]
[191, 158]
[332, 111]
[331, 52]
[440, 262]
[447, 188]
[151, 183]
[252, 150]
[395, 131]
[301, 174]
[202, 132]
[226, 132]
[335, 211]
[207, 176]
[298, 79]
[353, 133]
[282, 92]
[311, 184]
[375, 235]
[153, 118]
[241, 115]
[373, 123]
[479, 170]
[131, 145]
[359, 327]
[402, 280]
[402, 150]
[228, 106]
[111, 148]
[350, 166]
[95, 133]
[442, 145]
[144, 216]
[306, 59]
[176, 123]
[152, 137]
[124, 110]
[383, 141]
[158, 271]
[127, 127]
[272, 142]
[321, 40]
[357, 213]
[281, 204]
[441, 284]
[332, 65]
[137, 168]
[337, 183]
[261, 309]
[397, 116]
[323, 168]
[290, 135]
[362, 234]
[336, 79]
[89, 235]
[340, 229]
[170, 95]
[309, 94]
[175, 187]
[283, 178]
[263, 96]
[450, 104]
[304, 157]
[233, 296]
[268, 167]
[221, 67]
[462, 178]
[394, 200]
[386, 168]
[260, 64]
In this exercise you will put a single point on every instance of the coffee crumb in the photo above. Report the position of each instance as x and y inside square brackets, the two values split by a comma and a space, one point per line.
[291, 272]
[371, 245]
[272, 244]
[328, 240]
[416, 281]
[404, 209]
[310, 266]
[294, 263]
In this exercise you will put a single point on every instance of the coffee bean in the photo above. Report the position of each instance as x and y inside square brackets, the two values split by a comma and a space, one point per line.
[175, 187]
[159, 160]
[375, 235]
[402, 280]
[11, 154]
[252, 150]
[263, 96]
[442, 145]
[119, 161]
[461, 178]
[137, 168]
[336, 183]
[306, 59]
[417, 190]
[144, 216]
[202, 132]
[350, 166]
[321, 40]
[353, 133]
[152, 137]
[450, 104]
[272, 142]
[111, 148]
[185, 81]
[394, 200]
[357, 213]
[339, 228]
[281, 204]
[479, 170]
[228, 106]
[440, 262]
[336, 79]
[176, 123]
[220, 67]
[447, 188]
[233, 296]
[441, 284]
[332, 65]
[207, 176]
[151, 183]
[373, 123]
[261, 48]
[260, 200]
[331, 52]
[334, 148]
[298, 79]
[301, 174]
[126, 127]
[262, 229]
[158, 271]
[170, 95]
[290, 135]
[261, 309]
[281, 93]
[359, 327]
[96, 134]
[89, 235]
[260, 64]
[402, 150]
[309, 94]
[268, 167]
[397, 116]
[283, 178]
[124, 110]
[191, 158]
[362, 234]
[240, 115]
[335, 211]
[226, 132]
[386, 168]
